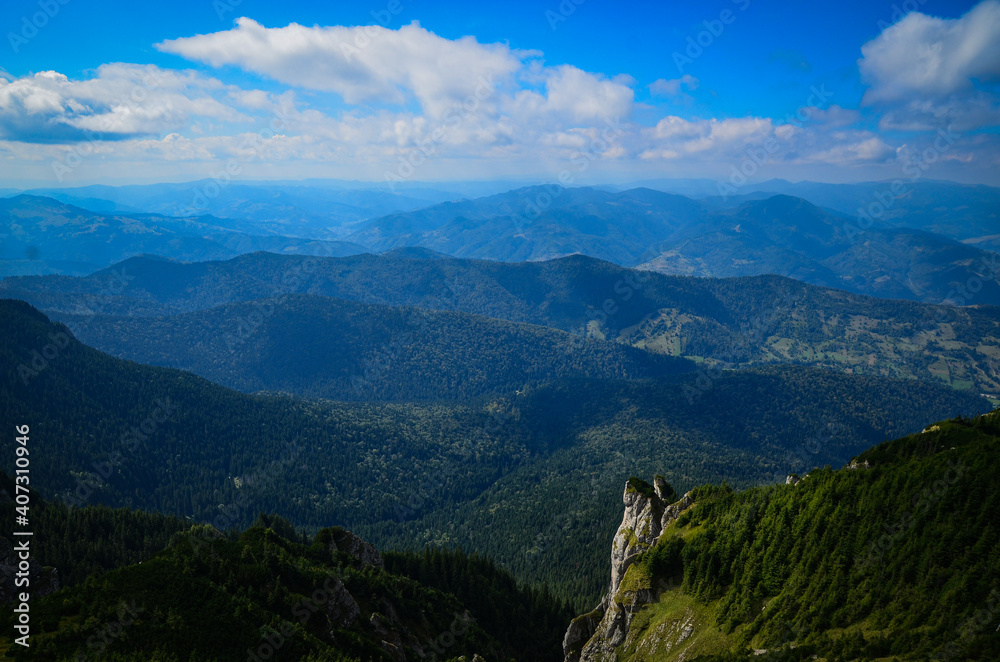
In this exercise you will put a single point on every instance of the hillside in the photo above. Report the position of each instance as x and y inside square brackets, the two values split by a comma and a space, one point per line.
[778, 234]
[746, 429]
[726, 322]
[791, 237]
[669, 233]
[343, 350]
[538, 223]
[489, 475]
[893, 557]
[963, 212]
[43, 236]
[270, 593]
[317, 209]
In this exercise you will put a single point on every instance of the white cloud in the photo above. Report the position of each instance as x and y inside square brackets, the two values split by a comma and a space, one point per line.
[922, 56]
[852, 148]
[371, 64]
[961, 112]
[462, 107]
[669, 88]
[583, 96]
[925, 73]
[676, 137]
[120, 101]
[729, 142]
[360, 63]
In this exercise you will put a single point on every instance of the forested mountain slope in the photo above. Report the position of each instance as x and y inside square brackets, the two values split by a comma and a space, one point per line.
[893, 557]
[501, 475]
[344, 350]
[736, 321]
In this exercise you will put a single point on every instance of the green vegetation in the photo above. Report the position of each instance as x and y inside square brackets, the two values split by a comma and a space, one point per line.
[521, 618]
[525, 479]
[642, 487]
[144, 586]
[899, 558]
[343, 350]
[719, 322]
[80, 542]
[224, 599]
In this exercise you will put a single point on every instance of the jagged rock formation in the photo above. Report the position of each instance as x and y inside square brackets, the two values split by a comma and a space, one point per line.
[363, 551]
[648, 510]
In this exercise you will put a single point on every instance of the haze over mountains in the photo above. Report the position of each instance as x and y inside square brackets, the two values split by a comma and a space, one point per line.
[638, 227]
[503, 332]
[435, 370]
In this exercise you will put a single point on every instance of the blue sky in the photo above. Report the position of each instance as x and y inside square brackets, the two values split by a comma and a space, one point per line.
[125, 91]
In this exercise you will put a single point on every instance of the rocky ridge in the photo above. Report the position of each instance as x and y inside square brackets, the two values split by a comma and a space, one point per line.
[649, 509]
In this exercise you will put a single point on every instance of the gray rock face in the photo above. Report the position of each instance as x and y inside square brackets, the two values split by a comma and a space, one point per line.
[640, 529]
[365, 552]
[580, 631]
[674, 510]
[595, 636]
[342, 608]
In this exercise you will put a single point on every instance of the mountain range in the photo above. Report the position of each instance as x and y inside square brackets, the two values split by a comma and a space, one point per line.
[719, 323]
[41, 235]
[523, 477]
[668, 233]
[411, 411]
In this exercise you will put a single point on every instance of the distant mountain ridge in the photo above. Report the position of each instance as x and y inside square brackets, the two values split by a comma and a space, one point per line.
[727, 322]
[41, 235]
[342, 350]
[670, 233]
[659, 231]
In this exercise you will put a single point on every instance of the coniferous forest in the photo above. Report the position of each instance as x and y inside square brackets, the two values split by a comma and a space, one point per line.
[552, 331]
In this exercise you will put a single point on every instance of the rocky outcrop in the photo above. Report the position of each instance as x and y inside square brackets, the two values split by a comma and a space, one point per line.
[340, 540]
[580, 631]
[398, 639]
[341, 606]
[648, 510]
[639, 530]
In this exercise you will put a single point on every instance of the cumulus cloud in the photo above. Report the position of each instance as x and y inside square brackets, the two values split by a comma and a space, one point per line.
[411, 97]
[360, 63]
[675, 137]
[730, 141]
[120, 101]
[923, 56]
[584, 96]
[372, 64]
[927, 72]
